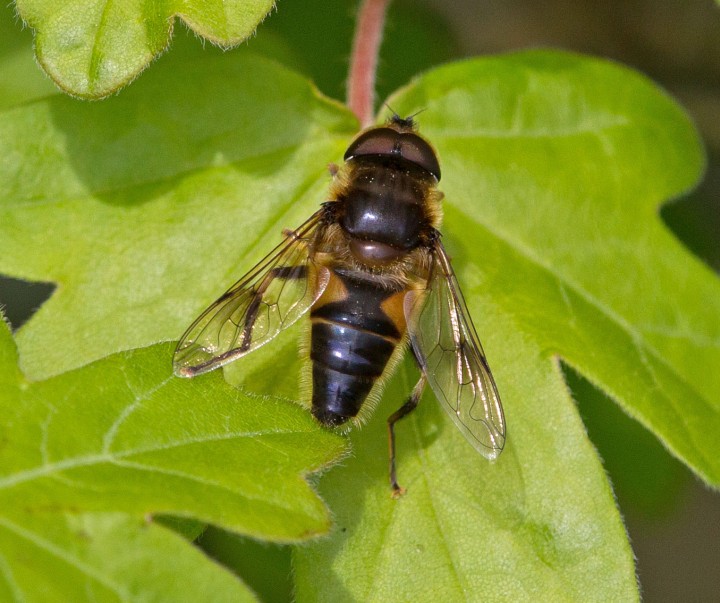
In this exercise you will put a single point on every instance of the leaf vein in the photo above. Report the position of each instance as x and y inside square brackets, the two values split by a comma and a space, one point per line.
[205, 482]
[128, 410]
[76, 462]
[7, 573]
[201, 440]
[63, 555]
[45, 434]
[95, 53]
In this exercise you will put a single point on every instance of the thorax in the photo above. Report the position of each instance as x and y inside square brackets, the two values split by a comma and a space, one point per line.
[385, 210]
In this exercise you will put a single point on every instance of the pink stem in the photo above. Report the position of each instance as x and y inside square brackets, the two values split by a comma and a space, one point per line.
[364, 59]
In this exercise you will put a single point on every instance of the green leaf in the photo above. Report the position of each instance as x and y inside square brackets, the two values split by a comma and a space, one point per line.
[105, 557]
[144, 208]
[556, 172]
[91, 48]
[539, 524]
[124, 435]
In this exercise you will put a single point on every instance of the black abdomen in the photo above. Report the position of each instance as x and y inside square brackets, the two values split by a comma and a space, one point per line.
[352, 339]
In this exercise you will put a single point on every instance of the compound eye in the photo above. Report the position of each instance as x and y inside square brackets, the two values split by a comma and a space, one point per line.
[415, 149]
[379, 141]
[386, 142]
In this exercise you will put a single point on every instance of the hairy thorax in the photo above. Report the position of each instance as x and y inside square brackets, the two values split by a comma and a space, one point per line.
[386, 212]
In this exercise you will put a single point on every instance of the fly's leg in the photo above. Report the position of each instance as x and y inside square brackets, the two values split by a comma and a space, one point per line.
[282, 272]
[401, 412]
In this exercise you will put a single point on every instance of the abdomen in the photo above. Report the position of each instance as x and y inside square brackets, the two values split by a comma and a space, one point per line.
[356, 326]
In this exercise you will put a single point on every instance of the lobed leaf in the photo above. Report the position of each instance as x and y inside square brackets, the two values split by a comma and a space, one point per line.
[145, 208]
[556, 176]
[123, 435]
[91, 48]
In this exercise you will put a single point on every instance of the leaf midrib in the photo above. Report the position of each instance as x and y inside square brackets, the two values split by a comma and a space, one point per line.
[112, 458]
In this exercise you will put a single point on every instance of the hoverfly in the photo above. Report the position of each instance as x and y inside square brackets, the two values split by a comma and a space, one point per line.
[370, 269]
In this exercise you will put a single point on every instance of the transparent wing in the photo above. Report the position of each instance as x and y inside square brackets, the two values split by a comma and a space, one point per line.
[450, 355]
[270, 298]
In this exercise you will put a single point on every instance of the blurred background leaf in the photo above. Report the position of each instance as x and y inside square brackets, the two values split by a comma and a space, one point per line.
[92, 49]
[265, 567]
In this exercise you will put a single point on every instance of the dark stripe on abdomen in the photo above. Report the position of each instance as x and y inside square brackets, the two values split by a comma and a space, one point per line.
[346, 363]
[349, 350]
[363, 313]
